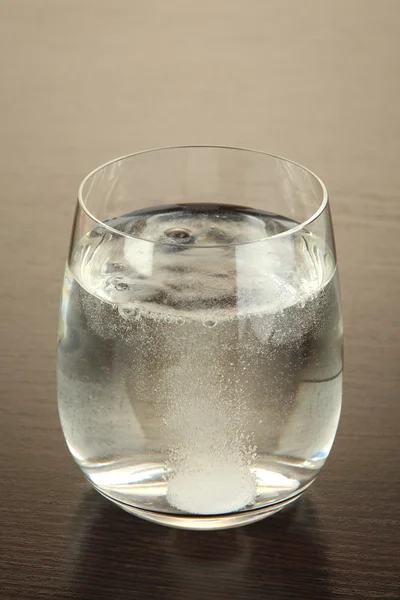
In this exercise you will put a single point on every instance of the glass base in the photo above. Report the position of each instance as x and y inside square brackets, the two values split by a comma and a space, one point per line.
[195, 522]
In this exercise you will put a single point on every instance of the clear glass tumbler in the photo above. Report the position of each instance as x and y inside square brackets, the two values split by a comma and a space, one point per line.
[200, 339]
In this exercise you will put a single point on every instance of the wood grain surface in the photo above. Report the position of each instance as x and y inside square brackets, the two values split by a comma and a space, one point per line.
[83, 81]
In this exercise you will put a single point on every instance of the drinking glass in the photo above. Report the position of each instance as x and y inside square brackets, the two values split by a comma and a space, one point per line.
[200, 338]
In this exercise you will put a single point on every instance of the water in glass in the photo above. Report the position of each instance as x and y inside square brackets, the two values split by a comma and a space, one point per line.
[200, 358]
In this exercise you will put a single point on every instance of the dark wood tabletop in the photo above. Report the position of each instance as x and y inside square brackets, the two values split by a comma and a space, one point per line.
[84, 81]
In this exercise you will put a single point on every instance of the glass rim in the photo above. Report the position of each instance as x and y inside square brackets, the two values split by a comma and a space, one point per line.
[321, 208]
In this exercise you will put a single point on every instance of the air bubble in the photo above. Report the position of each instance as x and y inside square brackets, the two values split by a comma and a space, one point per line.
[121, 286]
[178, 233]
[129, 313]
[209, 323]
[117, 267]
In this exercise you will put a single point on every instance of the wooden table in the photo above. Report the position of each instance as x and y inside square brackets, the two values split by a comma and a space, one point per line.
[86, 80]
